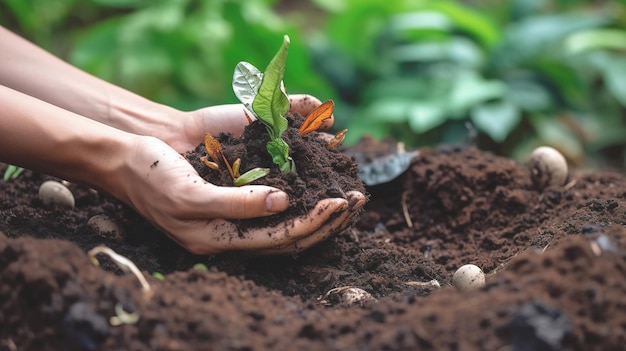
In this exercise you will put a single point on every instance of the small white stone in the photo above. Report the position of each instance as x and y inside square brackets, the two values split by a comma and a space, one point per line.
[356, 296]
[468, 277]
[55, 194]
[106, 226]
[548, 167]
[348, 295]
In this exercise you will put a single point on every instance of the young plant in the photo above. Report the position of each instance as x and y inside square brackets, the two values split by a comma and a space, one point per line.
[214, 151]
[12, 172]
[262, 94]
[264, 97]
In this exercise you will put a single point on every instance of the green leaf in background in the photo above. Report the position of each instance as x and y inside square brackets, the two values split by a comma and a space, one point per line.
[470, 90]
[271, 104]
[120, 3]
[596, 39]
[424, 116]
[473, 22]
[528, 95]
[539, 35]
[614, 73]
[496, 119]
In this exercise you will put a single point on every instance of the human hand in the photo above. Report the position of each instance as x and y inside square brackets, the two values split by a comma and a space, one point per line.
[162, 186]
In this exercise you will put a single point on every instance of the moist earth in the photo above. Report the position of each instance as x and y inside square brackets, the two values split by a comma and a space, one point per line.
[554, 258]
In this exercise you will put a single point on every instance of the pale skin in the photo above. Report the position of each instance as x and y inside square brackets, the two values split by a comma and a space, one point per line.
[62, 121]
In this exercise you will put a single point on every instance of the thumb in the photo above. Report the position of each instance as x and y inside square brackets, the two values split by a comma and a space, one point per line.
[249, 201]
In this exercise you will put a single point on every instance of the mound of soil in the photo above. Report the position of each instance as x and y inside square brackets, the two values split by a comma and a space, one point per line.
[320, 172]
[555, 262]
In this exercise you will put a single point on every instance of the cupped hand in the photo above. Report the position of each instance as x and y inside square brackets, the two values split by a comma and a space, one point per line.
[163, 186]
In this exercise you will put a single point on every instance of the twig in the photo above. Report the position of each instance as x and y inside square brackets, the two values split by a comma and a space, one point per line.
[405, 210]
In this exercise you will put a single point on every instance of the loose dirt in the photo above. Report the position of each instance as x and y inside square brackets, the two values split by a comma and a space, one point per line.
[555, 261]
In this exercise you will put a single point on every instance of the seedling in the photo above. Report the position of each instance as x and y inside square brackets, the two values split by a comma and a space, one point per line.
[123, 317]
[262, 94]
[12, 172]
[214, 151]
[200, 267]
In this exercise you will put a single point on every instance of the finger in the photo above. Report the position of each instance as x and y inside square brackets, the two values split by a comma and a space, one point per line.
[259, 239]
[328, 229]
[230, 118]
[250, 201]
[303, 104]
[202, 237]
[356, 200]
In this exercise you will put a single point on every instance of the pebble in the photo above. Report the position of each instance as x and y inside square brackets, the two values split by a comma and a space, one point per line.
[55, 194]
[106, 227]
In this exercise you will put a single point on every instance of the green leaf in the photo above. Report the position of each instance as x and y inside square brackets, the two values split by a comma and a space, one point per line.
[12, 172]
[496, 119]
[615, 76]
[246, 82]
[271, 104]
[613, 68]
[279, 150]
[251, 176]
[426, 116]
[470, 89]
[596, 39]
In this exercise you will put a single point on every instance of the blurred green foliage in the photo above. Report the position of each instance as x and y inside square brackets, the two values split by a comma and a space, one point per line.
[179, 52]
[523, 72]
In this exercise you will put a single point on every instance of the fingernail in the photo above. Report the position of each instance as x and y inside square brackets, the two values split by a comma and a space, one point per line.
[276, 201]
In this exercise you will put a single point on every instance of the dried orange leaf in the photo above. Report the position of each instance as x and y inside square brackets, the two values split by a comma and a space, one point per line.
[314, 120]
[213, 148]
[212, 165]
[337, 139]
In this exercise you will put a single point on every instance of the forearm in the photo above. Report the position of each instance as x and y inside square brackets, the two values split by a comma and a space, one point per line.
[43, 137]
[27, 68]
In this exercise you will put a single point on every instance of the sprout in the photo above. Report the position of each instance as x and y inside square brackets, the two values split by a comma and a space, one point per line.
[200, 267]
[468, 277]
[123, 317]
[214, 151]
[548, 167]
[12, 172]
[53, 193]
[158, 275]
[264, 96]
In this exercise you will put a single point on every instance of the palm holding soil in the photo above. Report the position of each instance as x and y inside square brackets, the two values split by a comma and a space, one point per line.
[180, 202]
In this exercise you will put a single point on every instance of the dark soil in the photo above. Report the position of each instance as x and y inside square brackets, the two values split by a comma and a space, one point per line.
[320, 172]
[555, 260]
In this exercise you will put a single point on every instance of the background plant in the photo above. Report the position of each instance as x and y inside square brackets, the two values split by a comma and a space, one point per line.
[523, 72]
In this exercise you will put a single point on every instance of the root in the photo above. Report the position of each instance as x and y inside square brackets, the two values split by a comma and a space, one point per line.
[124, 263]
